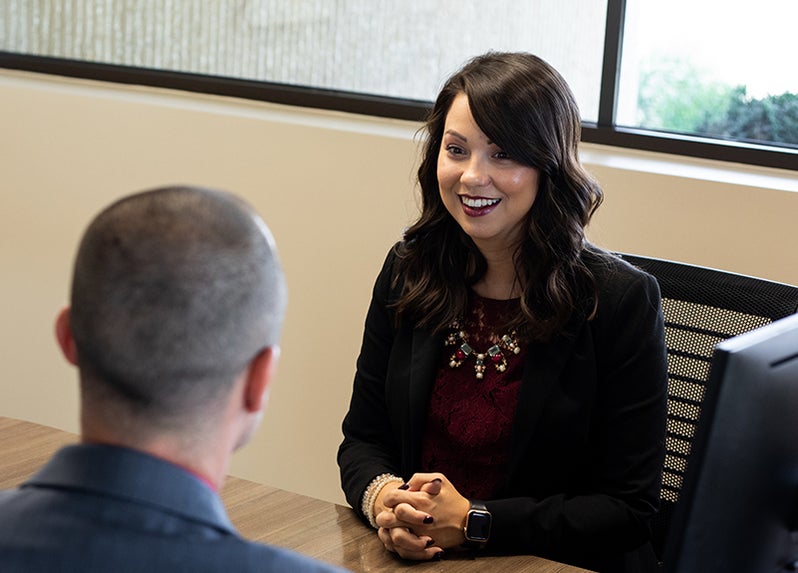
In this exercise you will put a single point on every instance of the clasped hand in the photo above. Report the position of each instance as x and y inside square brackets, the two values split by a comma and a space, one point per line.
[422, 517]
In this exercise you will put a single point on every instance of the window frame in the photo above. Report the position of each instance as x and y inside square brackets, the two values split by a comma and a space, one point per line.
[603, 131]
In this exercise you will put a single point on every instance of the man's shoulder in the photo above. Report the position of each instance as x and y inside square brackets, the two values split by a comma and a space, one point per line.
[204, 559]
[44, 545]
[41, 527]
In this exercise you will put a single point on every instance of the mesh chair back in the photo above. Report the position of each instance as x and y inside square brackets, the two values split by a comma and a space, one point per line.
[701, 307]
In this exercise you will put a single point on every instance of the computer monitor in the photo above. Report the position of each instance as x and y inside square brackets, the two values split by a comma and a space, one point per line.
[737, 507]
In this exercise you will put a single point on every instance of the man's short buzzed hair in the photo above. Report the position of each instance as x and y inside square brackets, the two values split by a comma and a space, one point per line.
[175, 291]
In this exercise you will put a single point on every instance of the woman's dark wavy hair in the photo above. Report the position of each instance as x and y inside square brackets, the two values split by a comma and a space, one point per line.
[525, 106]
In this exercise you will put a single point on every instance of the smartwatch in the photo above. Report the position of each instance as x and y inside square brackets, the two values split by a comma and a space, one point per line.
[477, 527]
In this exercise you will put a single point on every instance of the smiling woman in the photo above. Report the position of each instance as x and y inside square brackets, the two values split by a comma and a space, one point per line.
[510, 389]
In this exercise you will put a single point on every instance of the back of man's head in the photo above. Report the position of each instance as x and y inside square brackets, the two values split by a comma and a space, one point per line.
[175, 290]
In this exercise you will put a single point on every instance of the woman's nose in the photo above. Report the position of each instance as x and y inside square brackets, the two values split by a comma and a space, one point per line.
[475, 173]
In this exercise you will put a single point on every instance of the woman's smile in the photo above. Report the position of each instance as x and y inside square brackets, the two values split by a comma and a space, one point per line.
[478, 206]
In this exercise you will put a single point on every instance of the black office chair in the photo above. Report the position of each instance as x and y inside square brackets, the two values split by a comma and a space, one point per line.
[702, 307]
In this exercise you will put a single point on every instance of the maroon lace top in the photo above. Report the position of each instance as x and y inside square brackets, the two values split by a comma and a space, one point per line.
[469, 422]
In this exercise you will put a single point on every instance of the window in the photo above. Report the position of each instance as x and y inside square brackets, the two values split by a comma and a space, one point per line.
[723, 69]
[396, 49]
[641, 70]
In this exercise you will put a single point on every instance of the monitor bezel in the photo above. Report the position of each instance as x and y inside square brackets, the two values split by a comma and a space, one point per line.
[747, 372]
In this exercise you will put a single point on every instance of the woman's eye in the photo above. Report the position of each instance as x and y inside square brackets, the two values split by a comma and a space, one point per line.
[454, 149]
[502, 155]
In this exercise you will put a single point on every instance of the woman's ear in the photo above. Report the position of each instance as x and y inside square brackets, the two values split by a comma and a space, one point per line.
[63, 334]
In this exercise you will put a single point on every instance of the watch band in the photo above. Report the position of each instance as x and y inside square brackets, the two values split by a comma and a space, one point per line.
[477, 505]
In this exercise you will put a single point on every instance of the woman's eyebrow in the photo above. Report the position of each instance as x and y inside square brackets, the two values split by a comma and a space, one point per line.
[455, 133]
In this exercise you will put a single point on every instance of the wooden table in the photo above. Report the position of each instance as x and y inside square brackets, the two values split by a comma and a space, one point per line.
[323, 530]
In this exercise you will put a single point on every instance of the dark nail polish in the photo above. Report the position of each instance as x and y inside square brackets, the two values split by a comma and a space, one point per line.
[439, 480]
[439, 556]
[404, 486]
[428, 520]
[430, 543]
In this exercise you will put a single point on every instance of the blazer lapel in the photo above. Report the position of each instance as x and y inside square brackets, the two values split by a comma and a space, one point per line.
[543, 366]
[425, 352]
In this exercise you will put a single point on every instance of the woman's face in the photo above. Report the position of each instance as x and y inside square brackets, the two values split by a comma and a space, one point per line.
[486, 191]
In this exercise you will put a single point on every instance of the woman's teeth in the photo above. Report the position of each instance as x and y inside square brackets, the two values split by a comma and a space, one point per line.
[478, 203]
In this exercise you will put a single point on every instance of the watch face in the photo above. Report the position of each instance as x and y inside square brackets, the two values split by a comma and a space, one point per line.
[478, 528]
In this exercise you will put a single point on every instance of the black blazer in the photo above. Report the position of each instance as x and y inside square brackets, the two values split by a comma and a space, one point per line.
[588, 439]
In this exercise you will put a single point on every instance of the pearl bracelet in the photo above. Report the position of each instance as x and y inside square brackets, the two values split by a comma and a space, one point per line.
[371, 493]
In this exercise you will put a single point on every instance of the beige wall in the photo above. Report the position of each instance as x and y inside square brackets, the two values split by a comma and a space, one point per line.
[336, 190]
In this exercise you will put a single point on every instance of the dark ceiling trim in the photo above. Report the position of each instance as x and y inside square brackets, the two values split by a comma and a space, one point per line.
[691, 146]
[381, 106]
[302, 96]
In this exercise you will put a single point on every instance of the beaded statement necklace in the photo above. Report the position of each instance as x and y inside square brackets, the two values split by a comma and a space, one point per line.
[495, 354]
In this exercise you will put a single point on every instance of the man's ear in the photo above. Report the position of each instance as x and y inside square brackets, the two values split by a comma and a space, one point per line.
[259, 377]
[63, 334]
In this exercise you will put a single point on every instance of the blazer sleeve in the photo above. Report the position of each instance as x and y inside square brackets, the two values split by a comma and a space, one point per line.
[370, 447]
[612, 491]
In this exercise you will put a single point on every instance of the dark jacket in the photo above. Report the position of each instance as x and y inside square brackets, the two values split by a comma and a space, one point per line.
[96, 508]
[588, 439]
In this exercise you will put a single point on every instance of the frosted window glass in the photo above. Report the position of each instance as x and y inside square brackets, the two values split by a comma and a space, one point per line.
[399, 49]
